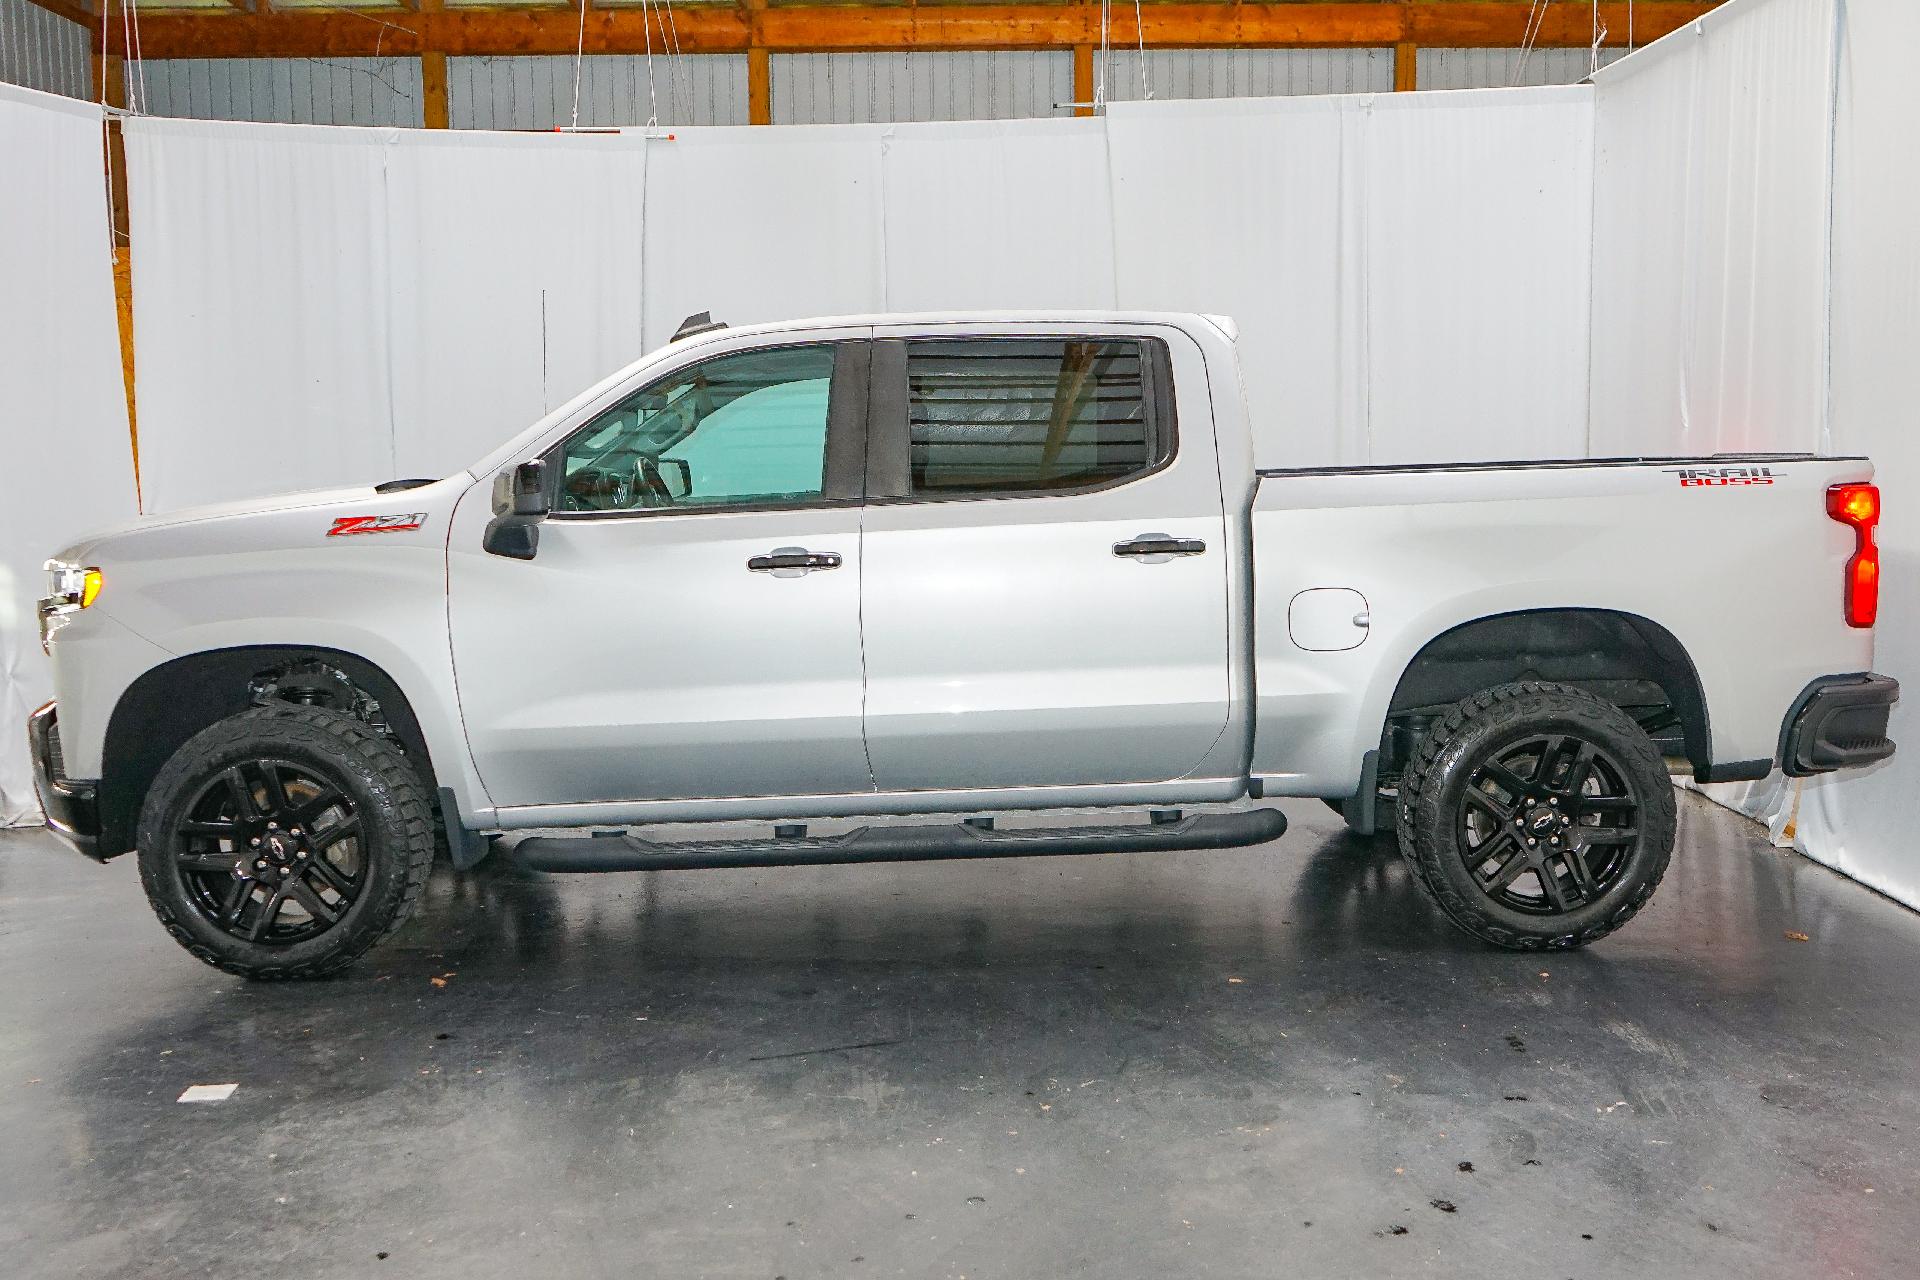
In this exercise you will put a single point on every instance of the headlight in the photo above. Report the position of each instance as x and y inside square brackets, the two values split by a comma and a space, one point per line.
[71, 587]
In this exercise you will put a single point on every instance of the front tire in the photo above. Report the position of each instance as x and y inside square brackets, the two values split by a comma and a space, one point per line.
[1536, 816]
[285, 842]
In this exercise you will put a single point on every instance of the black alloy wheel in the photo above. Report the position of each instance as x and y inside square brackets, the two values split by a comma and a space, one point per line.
[1536, 816]
[1546, 827]
[285, 841]
[270, 851]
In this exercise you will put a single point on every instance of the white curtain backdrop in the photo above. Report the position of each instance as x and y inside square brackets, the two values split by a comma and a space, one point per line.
[63, 407]
[1408, 271]
[1864, 824]
[1757, 286]
[329, 305]
[1709, 249]
[323, 305]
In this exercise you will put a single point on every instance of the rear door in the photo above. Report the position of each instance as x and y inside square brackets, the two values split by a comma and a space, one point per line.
[1044, 583]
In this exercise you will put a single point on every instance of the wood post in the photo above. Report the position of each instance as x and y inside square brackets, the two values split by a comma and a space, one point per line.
[1083, 79]
[1406, 67]
[759, 85]
[433, 89]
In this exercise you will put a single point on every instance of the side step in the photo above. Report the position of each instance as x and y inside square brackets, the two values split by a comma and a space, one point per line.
[899, 844]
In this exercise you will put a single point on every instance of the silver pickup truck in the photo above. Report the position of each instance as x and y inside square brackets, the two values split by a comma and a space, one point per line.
[944, 564]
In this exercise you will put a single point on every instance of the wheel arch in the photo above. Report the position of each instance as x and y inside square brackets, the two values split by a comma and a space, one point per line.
[174, 700]
[1629, 660]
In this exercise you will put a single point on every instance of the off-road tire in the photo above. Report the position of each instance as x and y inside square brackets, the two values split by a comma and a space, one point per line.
[396, 820]
[1475, 730]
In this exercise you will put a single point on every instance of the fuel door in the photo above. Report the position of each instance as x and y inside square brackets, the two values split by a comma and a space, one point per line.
[1327, 619]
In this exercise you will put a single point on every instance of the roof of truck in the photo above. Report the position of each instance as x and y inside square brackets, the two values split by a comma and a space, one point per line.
[1178, 319]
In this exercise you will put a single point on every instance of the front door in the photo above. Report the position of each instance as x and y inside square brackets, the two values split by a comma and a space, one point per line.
[690, 626]
[1045, 564]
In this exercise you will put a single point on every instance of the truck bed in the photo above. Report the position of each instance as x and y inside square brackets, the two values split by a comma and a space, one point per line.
[1732, 555]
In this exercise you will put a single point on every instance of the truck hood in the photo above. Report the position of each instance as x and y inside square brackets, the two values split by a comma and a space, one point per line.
[361, 499]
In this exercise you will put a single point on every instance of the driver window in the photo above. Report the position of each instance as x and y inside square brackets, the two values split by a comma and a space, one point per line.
[745, 429]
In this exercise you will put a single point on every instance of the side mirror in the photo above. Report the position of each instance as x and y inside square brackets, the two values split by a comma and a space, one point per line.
[522, 490]
[519, 505]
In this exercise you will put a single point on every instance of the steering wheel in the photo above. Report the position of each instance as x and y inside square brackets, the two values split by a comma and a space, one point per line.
[651, 487]
[600, 489]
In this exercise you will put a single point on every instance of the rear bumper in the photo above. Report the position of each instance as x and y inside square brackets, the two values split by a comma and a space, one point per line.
[72, 807]
[1838, 722]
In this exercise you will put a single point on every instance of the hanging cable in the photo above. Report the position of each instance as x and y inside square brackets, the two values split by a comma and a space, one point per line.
[1629, 26]
[653, 100]
[1536, 15]
[1140, 37]
[139, 59]
[678, 68]
[1599, 34]
[127, 90]
[579, 58]
[1106, 52]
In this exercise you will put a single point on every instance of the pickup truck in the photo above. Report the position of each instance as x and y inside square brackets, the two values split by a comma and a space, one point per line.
[951, 564]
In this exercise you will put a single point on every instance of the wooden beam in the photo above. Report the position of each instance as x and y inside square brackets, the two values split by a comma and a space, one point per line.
[433, 89]
[822, 28]
[1083, 79]
[72, 11]
[109, 85]
[1406, 67]
[123, 314]
[759, 85]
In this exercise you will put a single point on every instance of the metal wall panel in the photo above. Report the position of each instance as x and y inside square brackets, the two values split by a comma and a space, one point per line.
[1500, 68]
[43, 50]
[1244, 73]
[866, 88]
[615, 89]
[365, 91]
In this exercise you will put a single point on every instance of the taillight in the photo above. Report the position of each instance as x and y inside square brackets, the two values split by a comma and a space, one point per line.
[1858, 505]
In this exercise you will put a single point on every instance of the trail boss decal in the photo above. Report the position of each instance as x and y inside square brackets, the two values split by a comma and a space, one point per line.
[343, 525]
[1705, 477]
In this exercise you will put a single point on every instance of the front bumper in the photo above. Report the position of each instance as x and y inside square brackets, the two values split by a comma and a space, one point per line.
[72, 807]
[1839, 722]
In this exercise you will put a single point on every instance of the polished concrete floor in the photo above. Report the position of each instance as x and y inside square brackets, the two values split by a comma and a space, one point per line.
[1273, 1062]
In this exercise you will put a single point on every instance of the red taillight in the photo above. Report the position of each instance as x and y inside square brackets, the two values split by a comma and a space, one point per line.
[1858, 505]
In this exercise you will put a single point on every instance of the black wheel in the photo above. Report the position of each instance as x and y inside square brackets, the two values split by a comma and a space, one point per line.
[1537, 816]
[285, 841]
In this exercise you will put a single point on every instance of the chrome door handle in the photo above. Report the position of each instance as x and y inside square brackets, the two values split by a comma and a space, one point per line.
[1158, 548]
[793, 562]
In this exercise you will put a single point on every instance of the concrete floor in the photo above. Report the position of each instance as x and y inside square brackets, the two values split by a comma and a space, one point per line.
[1268, 1062]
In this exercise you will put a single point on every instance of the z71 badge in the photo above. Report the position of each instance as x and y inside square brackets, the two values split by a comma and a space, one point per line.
[343, 525]
[1703, 477]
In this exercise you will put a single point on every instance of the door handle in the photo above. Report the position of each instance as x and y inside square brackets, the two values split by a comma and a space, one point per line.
[1158, 548]
[793, 562]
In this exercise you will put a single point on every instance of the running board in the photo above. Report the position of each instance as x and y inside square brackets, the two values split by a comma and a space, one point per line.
[975, 838]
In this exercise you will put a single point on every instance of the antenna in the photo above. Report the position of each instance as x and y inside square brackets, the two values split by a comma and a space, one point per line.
[697, 323]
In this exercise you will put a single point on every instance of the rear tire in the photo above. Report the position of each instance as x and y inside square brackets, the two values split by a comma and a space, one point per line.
[1536, 816]
[285, 842]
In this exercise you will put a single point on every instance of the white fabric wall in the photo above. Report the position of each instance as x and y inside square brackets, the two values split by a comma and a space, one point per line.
[320, 306]
[1711, 154]
[62, 401]
[332, 305]
[1757, 285]
[1408, 271]
[1863, 824]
